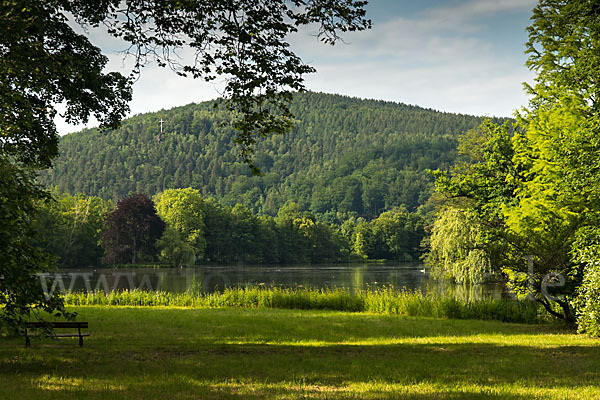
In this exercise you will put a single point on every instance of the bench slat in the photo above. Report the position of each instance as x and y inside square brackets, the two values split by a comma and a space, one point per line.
[70, 334]
[58, 324]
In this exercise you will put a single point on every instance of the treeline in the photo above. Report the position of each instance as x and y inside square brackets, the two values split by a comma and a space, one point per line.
[346, 157]
[180, 227]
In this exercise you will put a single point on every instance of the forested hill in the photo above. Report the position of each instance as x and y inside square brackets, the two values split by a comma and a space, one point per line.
[346, 155]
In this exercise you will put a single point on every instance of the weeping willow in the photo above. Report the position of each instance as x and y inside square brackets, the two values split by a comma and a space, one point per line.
[454, 251]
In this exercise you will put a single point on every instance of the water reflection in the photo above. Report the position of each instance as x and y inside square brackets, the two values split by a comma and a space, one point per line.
[209, 279]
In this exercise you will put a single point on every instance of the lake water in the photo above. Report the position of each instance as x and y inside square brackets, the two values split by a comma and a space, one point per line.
[215, 278]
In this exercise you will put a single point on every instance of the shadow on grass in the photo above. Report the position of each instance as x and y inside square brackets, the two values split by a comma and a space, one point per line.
[206, 354]
[254, 371]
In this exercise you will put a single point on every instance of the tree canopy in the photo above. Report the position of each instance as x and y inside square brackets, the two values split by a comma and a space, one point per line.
[535, 191]
[183, 209]
[131, 230]
[21, 293]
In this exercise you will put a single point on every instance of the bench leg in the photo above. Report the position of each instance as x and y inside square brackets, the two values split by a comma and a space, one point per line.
[27, 341]
[80, 338]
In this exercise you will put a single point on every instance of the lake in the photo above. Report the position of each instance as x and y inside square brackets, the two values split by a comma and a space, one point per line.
[209, 279]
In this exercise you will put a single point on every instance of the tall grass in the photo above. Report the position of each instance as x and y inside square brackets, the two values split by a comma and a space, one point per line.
[381, 301]
[418, 304]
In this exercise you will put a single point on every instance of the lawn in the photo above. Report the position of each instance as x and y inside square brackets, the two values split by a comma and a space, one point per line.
[177, 353]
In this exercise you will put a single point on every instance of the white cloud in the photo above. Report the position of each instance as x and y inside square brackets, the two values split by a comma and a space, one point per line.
[472, 9]
[481, 89]
[434, 59]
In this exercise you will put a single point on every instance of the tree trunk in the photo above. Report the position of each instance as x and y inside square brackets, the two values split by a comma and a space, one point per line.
[566, 314]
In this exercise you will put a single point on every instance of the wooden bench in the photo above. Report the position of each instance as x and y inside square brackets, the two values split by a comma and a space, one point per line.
[57, 325]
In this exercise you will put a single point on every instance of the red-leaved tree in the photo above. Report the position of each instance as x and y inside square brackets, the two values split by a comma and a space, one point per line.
[131, 229]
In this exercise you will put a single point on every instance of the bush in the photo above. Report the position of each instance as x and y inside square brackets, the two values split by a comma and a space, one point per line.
[587, 302]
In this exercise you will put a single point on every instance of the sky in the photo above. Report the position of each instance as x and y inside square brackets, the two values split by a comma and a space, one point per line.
[460, 56]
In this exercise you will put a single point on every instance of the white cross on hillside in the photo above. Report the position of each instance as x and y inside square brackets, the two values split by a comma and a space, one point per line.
[161, 122]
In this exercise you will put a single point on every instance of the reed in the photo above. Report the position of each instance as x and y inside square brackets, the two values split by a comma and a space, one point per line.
[381, 301]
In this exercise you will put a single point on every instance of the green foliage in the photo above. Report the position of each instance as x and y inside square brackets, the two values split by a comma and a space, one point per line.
[21, 291]
[245, 42]
[345, 157]
[503, 180]
[397, 235]
[545, 216]
[70, 228]
[183, 210]
[453, 243]
[559, 204]
[234, 234]
[44, 62]
[537, 192]
[563, 50]
[587, 251]
[564, 116]
[362, 243]
[174, 250]
[393, 235]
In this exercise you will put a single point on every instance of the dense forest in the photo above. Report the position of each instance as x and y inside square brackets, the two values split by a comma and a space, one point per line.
[179, 227]
[346, 157]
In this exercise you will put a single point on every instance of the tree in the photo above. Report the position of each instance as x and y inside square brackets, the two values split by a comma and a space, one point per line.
[364, 240]
[306, 162]
[398, 235]
[293, 246]
[183, 210]
[45, 62]
[218, 227]
[507, 188]
[131, 231]
[243, 227]
[22, 261]
[587, 252]
[563, 137]
[323, 243]
[70, 228]
[536, 193]
[563, 51]
[455, 250]
[42, 62]
[267, 239]
[174, 250]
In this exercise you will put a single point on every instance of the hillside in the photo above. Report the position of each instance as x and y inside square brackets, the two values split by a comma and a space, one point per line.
[346, 155]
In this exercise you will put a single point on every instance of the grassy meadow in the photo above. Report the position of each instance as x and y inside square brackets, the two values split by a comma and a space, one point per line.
[256, 353]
